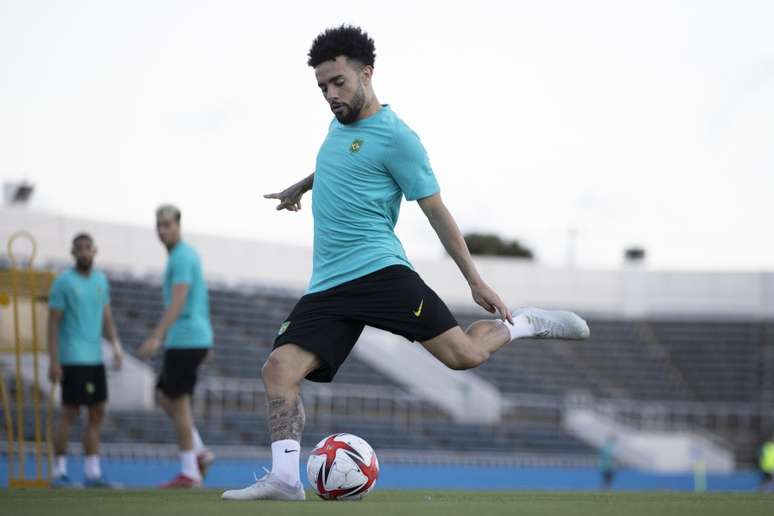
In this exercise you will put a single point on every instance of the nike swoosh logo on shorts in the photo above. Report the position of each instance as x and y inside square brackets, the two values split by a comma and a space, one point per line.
[418, 311]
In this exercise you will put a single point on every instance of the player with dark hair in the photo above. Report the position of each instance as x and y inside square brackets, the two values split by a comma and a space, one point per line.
[186, 333]
[79, 316]
[369, 160]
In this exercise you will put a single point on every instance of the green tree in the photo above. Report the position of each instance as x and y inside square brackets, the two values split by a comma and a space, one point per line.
[493, 245]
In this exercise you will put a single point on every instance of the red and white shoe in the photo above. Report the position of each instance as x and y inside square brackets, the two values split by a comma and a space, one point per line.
[204, 460]
[182, 482]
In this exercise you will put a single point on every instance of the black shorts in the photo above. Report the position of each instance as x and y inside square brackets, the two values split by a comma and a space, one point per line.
[178, 374]
[394, 299]
[83, 384]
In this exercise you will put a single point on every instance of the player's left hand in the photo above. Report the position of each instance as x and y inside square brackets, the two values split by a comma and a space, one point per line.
[488, 299]
[149, 347]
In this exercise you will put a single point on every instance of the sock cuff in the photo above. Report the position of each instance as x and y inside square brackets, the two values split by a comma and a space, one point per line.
[188, 464]
[290, 444]
[198, 444]
[520, 328]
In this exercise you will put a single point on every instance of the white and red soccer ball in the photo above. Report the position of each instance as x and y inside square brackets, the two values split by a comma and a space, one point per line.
[342, 467]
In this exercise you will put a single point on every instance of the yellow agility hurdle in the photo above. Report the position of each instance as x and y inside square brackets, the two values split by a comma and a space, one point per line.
[23, 303]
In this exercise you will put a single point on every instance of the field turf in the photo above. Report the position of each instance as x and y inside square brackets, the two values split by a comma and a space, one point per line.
[441, 503]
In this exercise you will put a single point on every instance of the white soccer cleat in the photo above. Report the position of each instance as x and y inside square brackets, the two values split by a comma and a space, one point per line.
[267, 488]
[554, 324]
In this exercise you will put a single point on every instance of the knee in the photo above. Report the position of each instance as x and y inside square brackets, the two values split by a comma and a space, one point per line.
[280, 370]
[274, 369]
[96, 414]
[69, 414]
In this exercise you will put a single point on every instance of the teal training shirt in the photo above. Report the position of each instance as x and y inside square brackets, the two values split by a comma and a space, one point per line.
[192, 329]
[607, 456]
[363, 170]
[82, 300]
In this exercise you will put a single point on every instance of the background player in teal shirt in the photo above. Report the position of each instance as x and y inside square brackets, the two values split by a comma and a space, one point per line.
[368, 162]
[186, 333]
[79, 315]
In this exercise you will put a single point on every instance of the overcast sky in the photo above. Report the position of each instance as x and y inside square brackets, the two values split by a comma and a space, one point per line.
[644, 122]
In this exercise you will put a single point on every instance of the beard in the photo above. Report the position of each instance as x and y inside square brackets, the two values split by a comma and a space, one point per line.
[83, 265]
[353, 108]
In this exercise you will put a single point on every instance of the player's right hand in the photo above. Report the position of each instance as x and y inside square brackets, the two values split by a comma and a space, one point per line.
[149, 347]
[55, 372]
[488, 299]
[289, 198]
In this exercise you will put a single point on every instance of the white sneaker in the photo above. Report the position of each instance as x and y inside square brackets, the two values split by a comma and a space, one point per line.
[267, 488]
[554, 324]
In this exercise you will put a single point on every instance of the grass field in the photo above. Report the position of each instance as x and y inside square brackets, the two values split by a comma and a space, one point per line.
[193, 503]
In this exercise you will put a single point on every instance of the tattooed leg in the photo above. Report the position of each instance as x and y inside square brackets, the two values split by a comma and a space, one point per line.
[286, 418]
[282, 374]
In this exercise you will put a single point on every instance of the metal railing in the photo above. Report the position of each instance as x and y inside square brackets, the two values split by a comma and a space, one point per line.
[728, 418]
[321, 403]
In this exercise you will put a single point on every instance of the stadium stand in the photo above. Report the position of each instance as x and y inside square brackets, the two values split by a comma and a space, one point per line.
[719, 359]
[244, 323]
[669, 361]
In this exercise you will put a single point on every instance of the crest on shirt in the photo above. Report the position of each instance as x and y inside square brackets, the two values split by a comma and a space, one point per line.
[355, 146]
[283, 327]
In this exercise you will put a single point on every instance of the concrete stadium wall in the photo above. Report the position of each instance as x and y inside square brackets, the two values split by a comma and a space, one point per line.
[621, 292]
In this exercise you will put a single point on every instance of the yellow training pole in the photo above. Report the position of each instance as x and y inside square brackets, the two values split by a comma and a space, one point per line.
[31, 285]
[8, 422]
[36, 374]
[17, 349]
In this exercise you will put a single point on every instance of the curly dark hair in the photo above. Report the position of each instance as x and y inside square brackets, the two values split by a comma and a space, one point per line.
[345, 40]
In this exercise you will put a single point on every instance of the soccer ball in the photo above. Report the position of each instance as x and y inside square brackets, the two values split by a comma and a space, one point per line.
[342, 467]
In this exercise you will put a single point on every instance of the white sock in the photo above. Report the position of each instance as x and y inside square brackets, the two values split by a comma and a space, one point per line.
[285, 458]
[188, 465]
[520, 328]
[60, 466]
[198, 444]
[91, 466]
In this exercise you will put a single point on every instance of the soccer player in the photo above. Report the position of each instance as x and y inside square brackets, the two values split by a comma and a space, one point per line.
[186, 333]
[361, 276]
[607, 462]
[78, 317]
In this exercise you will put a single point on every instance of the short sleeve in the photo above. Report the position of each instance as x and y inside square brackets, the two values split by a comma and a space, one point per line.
[183, 267]
[56, 296]
[409, 165]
